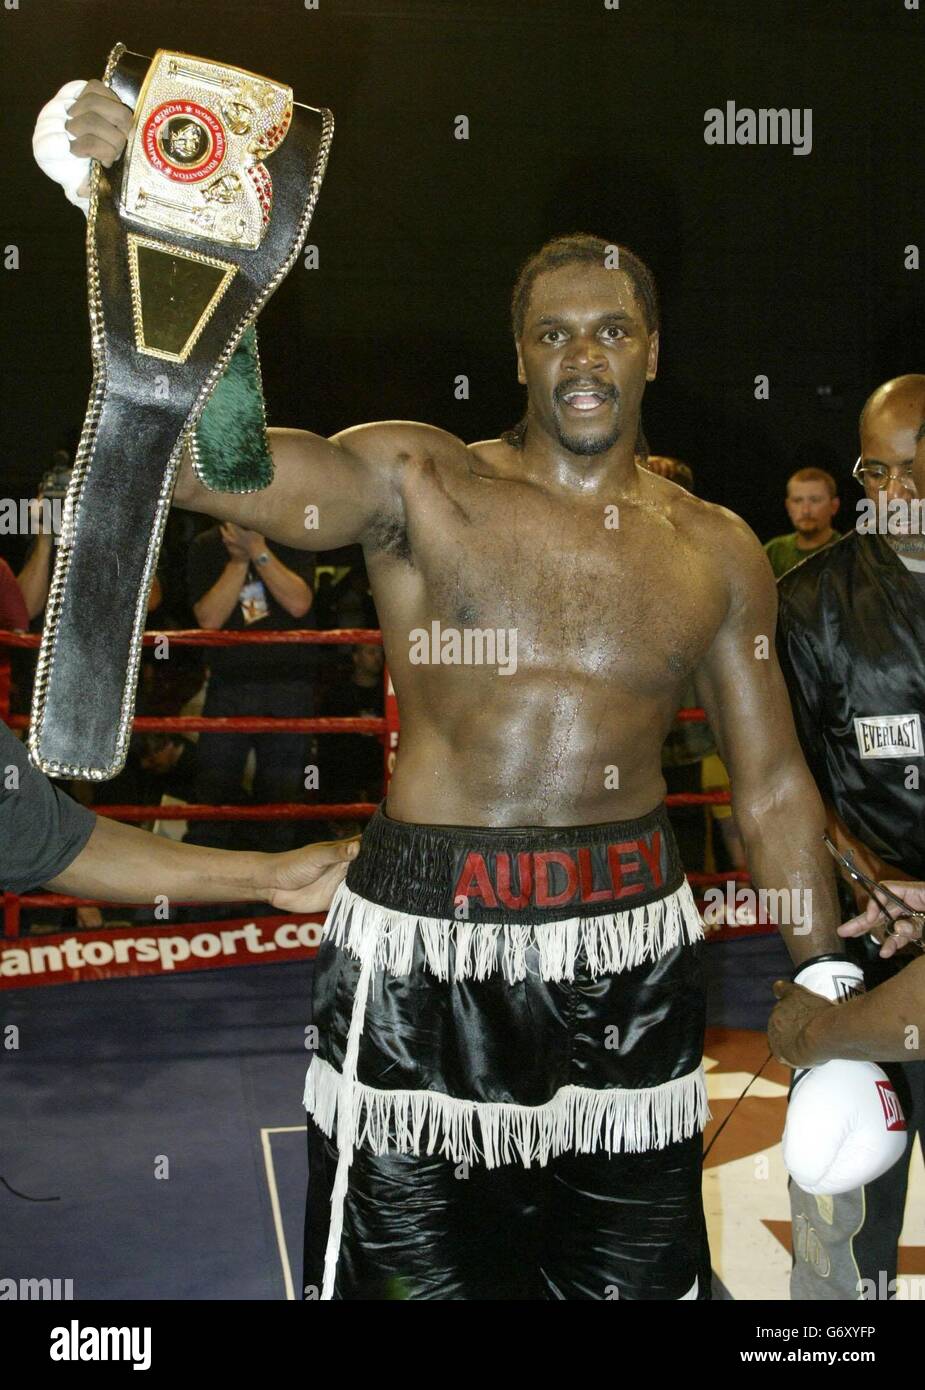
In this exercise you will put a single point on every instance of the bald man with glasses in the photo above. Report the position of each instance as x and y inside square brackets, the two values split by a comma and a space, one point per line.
[851, 643]
[875, 476]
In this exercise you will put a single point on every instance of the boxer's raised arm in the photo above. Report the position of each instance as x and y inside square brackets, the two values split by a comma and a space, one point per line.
[777, 806]
[325, 492]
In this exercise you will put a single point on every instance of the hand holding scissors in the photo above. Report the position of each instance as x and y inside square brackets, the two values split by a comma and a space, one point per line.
[896, 908]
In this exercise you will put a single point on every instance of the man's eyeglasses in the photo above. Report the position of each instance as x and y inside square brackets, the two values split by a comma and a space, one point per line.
[879, 476]
[885, 898]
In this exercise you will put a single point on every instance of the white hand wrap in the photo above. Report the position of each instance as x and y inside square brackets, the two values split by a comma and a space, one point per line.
[834, 977]
[51, 145]
[845, 1125]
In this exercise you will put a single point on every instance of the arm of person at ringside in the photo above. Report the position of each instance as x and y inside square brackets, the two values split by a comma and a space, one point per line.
[289, 589]
[35, 575]
[47, 838]
[776, 804]
[217, 604]
[887, 1024]
[120, 863]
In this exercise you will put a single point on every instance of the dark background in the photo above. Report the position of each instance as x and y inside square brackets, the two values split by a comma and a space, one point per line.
[581, 118]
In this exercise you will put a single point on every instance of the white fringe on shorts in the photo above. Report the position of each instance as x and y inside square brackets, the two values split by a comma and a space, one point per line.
[345, 1147]
[611, 943]
[576, 1120]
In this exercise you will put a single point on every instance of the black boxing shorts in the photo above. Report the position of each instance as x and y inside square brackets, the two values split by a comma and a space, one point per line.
[507, 1096]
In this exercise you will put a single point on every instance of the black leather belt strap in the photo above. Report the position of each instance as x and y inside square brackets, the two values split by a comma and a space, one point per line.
[167, 310]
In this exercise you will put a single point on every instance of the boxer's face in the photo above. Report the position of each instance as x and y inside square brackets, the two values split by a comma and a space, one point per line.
[585, 356]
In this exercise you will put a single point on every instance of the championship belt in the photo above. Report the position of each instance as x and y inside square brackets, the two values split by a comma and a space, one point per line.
[188, 235]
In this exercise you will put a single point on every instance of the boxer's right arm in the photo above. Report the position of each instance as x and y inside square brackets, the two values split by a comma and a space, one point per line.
[325, 493]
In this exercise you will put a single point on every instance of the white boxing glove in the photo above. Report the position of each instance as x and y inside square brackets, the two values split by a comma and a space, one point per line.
[845, 1125]
[51, 145]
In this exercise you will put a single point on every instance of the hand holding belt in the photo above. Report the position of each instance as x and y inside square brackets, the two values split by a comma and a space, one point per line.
[188, 236]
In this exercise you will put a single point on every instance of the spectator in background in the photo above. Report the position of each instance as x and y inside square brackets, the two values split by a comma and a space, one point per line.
[674, 469]
[352, 601]
[350, 766]
[157, 765]
[324, 600]
[724, 851]
[46, 508]
[689, 759]
[35, 575]
[169, 763]
[22, 599]
[238, 582]
[14, 616]
[168, 681]
[812, 501]
[169, 678]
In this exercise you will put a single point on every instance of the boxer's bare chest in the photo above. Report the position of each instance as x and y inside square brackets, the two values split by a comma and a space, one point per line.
[611, 588]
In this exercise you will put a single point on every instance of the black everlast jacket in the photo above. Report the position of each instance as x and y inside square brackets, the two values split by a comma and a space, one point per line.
[851, 643]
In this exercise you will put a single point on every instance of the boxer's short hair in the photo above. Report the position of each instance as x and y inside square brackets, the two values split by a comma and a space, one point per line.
[577, 247]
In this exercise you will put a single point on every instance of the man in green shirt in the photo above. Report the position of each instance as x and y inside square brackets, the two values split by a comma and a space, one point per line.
[812, 501]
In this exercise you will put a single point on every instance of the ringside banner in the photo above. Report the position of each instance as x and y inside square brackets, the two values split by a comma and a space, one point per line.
[105, 954]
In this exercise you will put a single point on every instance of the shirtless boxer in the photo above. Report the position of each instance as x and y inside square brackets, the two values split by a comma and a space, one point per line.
[507, 1098]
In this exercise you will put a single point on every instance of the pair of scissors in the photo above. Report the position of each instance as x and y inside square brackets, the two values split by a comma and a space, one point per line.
[885, 898]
